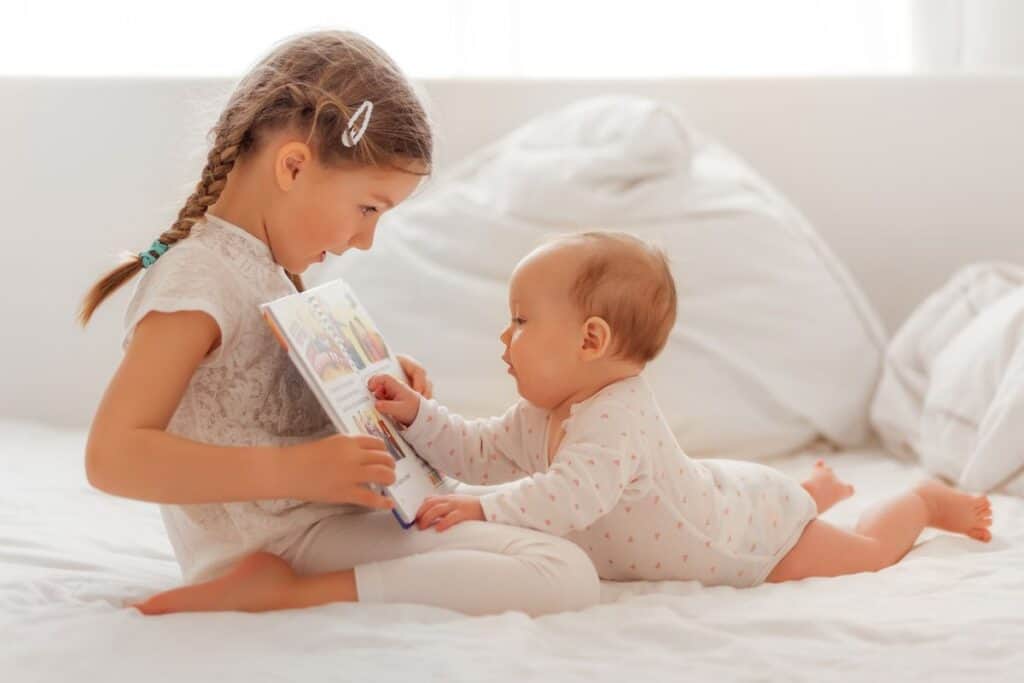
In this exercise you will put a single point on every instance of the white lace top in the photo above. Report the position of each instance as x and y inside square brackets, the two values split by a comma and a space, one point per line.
[245, 393]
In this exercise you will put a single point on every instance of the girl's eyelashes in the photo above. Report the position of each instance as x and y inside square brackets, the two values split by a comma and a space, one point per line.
[367, 210]
[518, 320]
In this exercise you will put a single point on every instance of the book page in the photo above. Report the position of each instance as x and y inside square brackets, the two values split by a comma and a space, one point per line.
[342, 348]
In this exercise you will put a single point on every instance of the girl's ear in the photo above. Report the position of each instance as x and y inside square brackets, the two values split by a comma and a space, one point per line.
[597, 338]
[292, 158]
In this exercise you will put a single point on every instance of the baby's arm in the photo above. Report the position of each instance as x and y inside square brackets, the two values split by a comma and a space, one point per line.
[584, 483]
[484, 451]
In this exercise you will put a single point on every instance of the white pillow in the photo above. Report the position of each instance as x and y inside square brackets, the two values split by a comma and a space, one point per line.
[775, 345]
[972, 427]
[899, 401]
[952, 393]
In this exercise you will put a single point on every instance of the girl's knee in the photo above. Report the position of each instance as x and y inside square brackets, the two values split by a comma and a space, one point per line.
[575, 584]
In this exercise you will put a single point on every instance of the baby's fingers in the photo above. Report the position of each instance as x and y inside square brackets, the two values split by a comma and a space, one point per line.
[389, 408]
[450, 520]
[431, 511]
[384, 386]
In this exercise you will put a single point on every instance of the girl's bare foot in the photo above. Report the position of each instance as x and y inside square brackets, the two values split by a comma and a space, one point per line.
[256, 584]
[956, 511]
[825, 488]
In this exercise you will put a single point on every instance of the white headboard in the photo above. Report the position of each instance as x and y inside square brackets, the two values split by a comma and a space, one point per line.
[906, 178]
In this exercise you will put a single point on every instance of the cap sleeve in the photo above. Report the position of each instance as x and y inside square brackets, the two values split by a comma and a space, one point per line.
[189, 277]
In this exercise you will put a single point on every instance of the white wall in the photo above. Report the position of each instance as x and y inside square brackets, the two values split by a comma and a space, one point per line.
[905, 178]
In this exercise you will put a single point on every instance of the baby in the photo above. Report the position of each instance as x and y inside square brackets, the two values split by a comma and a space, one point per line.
[593, 459]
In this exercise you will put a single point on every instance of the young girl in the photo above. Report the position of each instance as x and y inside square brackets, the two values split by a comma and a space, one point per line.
[206, 414]
[593, 459]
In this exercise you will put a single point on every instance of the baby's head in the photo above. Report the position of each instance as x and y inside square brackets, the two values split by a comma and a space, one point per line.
[586, 310]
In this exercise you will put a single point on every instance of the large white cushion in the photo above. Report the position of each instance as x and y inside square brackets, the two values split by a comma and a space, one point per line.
[775, 345]
[972, 429]
[952, 392]
[899, 401]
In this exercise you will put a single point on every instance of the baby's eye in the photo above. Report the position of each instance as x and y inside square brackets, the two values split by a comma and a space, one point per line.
[366, 210]
[518, 321]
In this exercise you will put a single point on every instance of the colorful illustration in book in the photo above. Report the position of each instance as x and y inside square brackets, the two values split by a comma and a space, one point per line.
[319, 349]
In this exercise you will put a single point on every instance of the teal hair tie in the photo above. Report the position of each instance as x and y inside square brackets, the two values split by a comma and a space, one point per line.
[155, 251]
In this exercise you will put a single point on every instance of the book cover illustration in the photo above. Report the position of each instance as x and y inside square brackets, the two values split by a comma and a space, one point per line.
[336, 346]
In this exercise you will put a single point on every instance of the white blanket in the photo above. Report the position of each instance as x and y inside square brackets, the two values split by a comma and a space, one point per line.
[70, 556]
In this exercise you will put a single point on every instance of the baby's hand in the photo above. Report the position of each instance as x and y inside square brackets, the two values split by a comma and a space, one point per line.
[447, 511]
[394, 399]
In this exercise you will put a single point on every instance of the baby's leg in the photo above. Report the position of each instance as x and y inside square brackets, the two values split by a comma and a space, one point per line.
[884, 533]
[474, 567]
[825, 488]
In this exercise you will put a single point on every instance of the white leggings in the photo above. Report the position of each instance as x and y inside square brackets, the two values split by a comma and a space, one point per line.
[473, 567]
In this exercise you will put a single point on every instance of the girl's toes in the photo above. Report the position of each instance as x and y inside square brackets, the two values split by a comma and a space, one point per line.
[152, 606]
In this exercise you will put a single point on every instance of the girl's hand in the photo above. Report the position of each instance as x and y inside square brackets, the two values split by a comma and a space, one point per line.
[416, 376]
[339, 469]
[447, 511]
[394, 399]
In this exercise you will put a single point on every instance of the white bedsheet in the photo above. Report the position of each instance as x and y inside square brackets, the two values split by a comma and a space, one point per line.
[69, 557]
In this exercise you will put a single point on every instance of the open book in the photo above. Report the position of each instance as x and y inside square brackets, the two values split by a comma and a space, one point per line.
[336, 347]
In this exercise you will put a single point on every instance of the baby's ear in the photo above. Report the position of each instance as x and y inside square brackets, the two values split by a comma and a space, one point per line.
[597, 338]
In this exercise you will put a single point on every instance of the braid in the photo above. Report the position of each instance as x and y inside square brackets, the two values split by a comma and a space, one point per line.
[219, 163]
[213, 178]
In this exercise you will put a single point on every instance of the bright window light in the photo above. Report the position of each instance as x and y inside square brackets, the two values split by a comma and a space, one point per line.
[466, 38]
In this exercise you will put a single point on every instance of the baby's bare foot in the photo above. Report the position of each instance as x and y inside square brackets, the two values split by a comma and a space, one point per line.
[256, 584]
[956, 511]
[825, 488]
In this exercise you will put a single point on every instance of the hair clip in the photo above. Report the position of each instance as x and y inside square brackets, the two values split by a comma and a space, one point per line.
[155, 251]
[352, 135]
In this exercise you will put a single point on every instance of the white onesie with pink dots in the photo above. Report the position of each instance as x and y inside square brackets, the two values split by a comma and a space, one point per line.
[622, 489]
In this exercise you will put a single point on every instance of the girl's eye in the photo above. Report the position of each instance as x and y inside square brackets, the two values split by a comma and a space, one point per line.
[366, 210]
[518, 321]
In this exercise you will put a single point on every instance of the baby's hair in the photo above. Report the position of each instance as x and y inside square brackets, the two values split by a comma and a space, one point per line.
[628, 283]
[314, 83]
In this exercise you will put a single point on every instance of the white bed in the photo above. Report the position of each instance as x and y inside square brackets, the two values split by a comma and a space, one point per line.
[861, 159]
[70, 557]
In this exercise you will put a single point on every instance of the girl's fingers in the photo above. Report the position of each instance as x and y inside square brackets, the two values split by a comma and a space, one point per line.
[370, 443]
[378, 474]
[419, 380]
[382, 458]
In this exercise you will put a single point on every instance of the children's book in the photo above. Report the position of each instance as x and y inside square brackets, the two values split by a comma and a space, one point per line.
[337, 348]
